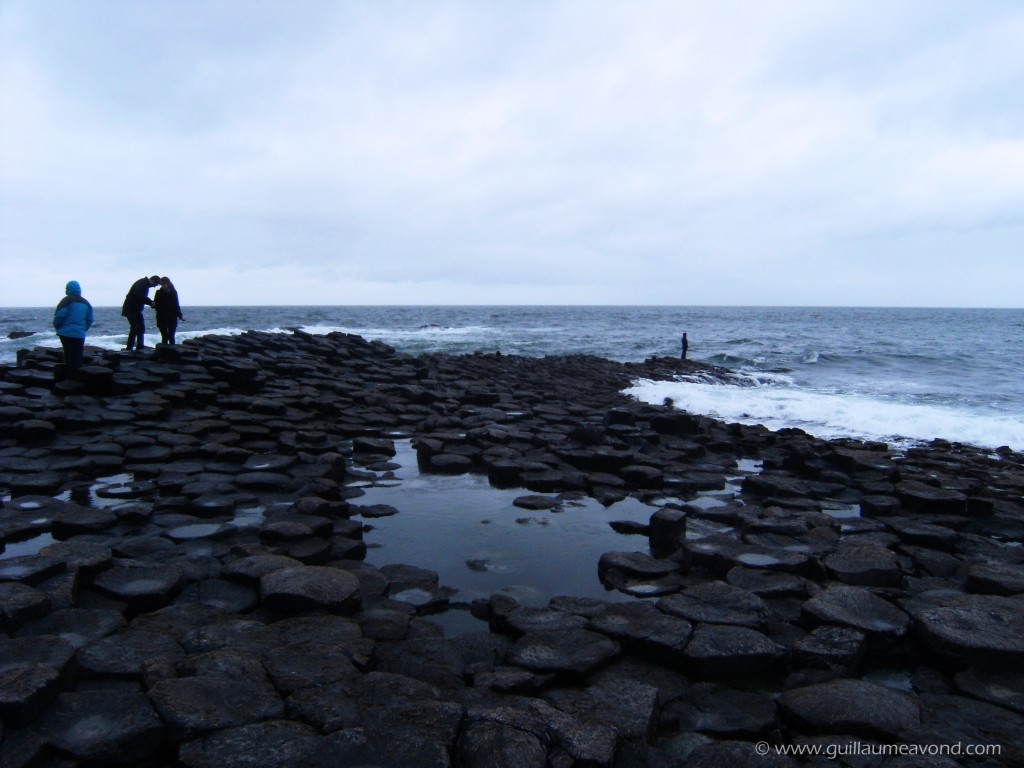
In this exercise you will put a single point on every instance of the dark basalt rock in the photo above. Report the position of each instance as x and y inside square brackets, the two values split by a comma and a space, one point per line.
[996, 578]
[112, 725]
[721, 651]
[985, 631]
[275, 743]
[291, 590]
[717, 603]
[858, 608]
[574, 652]
[832, 647]
[996, 687]
[851, 706]
[124, 654]
[26, 690]
[141, 587]
[227, 464]
[78, 626]
[20, 603]
[486, 744]
[866, 566]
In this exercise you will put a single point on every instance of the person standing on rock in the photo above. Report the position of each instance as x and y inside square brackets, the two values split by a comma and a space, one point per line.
[686, 346]
[168, 310]
[137, 298]
[72, 319]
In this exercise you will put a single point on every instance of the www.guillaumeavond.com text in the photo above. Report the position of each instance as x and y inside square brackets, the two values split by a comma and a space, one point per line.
[857, 748]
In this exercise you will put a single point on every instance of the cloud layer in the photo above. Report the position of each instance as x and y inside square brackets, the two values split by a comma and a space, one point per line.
[567, 152]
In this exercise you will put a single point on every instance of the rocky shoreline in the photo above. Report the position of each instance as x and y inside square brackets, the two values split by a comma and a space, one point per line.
[194, 592]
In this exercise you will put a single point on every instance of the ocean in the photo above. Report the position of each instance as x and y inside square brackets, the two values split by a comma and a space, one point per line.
[896, 375]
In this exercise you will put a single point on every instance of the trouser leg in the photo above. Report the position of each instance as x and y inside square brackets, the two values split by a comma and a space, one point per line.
[136, 331]
[73, 354]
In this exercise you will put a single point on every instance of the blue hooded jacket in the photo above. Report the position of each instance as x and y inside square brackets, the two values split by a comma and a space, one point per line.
[73, 316]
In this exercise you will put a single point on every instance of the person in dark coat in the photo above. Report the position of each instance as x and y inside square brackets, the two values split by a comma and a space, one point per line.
[137, 298]
[168, 310]
[72, 319]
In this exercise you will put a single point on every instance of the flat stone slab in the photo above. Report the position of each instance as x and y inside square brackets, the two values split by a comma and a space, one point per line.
[865, 566]
[575, 652]
[124, 653]
[636, 565]
[114, 725]
[630, 707]
[272, 744]
[29, 569]
[78, 626]
[995, 687]
[25, 690]
[830, 646]
[717, 603]
[192, 706]
[142, 587]
[847, 706]
[972, 630]
[251, 569]
[722, 651]
[858, 608]
[536, 502]
[20, 603]
[306, 587]
[996, 578]
[642, 627]
[305, 664]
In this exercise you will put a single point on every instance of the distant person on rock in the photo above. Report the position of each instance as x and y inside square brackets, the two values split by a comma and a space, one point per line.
[686, 346]
[168, 310]
[72, 319]
[137, 298]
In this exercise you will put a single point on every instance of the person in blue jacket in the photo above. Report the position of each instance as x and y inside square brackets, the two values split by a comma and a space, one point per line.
[137, 298]
[72, 319]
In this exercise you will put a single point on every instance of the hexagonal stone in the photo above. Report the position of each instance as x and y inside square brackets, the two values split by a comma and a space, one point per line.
[717, 603]
[717, 651]
[996, 578]
[26, 690]
[306, 587]
[20, 603]
[29, 569]
[642, 627]
[575, 651]
[124, 653]
[267, 462]
[635, 564]
[113, 725]
[971, 630]
[831, 646]
[865, 566]
[192, 706]
[851, 707]
[250, 569]
[858, 608]
[78, 626]
[272, 744]
[142, 587]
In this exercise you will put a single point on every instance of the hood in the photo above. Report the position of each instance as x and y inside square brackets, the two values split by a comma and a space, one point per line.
[73, 288]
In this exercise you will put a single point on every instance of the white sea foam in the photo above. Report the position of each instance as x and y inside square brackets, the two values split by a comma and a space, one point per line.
[831, 415]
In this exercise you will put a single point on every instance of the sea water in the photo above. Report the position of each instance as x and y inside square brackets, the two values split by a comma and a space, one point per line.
[896, 375]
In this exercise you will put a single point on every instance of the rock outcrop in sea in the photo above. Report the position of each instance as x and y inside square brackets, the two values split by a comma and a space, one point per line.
[193, 588]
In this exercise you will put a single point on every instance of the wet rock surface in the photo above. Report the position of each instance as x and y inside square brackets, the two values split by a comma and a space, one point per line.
[183, 581]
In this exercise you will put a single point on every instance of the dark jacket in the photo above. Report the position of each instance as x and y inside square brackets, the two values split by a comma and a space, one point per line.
[138, 296]
[73, 316]
[165, 302]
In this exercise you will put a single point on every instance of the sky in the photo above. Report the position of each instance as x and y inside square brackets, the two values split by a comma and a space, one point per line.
[737, 152]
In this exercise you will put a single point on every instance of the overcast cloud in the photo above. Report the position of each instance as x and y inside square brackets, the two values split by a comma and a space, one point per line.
[811, 152]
